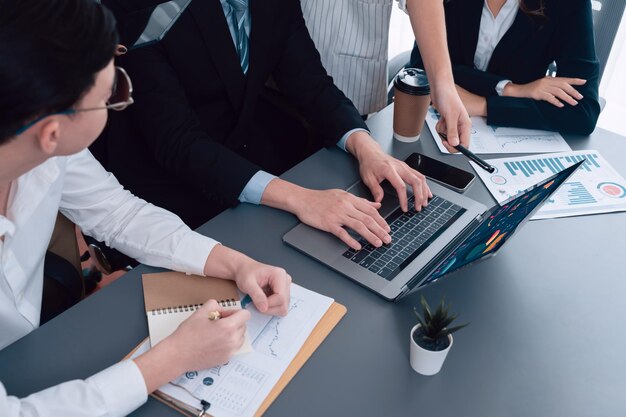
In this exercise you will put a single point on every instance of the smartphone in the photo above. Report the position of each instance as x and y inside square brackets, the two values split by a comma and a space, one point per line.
[149, 25]
[446, 175]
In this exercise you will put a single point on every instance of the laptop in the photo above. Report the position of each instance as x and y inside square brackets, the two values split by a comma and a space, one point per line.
[453, 231]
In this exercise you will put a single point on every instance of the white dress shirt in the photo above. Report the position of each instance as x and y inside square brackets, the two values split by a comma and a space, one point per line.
[92, 198]
[492, 29]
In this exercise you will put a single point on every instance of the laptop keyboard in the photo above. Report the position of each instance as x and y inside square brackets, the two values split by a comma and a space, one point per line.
[411, 234]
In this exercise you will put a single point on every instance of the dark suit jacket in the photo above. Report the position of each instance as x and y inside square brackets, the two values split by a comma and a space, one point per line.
[200, 128]
[523, 55]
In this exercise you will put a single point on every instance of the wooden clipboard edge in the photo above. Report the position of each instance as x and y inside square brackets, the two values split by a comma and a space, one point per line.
[183, 409]
[327, 323]
[135, 349]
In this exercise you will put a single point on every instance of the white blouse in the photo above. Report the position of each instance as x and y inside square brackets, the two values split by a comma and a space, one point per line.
[92, 198]
[492, 29]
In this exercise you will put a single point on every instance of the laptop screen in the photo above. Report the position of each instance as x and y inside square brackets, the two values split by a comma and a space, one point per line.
[500, 224]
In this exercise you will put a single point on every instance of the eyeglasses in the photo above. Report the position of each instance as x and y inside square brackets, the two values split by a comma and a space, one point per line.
[121, 98]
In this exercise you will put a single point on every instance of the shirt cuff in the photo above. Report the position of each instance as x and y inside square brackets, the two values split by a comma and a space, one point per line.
[122, 387]
[192, 252]
[500, 87]
[344, 139]
[254, 189]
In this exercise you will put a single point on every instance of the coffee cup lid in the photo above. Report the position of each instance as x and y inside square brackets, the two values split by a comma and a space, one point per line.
[412, 81]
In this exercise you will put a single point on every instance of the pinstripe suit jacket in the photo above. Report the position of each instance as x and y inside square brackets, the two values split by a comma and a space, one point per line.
[352, 38]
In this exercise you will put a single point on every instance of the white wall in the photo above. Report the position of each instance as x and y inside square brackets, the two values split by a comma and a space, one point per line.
[400, 35]
[612, 88]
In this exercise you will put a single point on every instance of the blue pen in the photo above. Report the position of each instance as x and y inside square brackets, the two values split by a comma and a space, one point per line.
[245, 301]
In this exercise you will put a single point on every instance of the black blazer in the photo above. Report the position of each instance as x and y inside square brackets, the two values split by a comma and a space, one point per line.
[523, 55]
[199, 126]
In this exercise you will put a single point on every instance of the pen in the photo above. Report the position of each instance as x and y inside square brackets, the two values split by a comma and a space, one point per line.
[245, 301]
[205, 407]
[471, 155]
[215, 315]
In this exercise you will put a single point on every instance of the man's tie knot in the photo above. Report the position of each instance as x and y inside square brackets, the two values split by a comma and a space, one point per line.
[239, 6]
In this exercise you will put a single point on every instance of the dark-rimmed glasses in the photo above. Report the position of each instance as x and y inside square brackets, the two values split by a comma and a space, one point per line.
[121, 97]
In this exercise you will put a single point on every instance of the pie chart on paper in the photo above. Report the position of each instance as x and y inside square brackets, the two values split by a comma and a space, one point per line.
[612, 189]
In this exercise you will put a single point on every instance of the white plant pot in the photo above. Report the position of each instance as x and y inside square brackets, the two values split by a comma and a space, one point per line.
[427, 362]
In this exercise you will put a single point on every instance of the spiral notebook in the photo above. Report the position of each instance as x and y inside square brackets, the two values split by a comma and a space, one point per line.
[171, 297]
[248, 384]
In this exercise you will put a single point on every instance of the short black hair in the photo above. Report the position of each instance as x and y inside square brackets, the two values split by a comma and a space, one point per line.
[50, 53]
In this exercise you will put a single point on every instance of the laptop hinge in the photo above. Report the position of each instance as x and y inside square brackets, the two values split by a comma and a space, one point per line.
[403, 291]
[470, 228]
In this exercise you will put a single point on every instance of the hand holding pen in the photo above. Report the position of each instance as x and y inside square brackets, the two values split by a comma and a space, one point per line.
[268, 288]
[471, 155]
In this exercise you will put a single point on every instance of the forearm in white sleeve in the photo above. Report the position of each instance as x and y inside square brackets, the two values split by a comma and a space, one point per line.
[114, 392]
[94, 200]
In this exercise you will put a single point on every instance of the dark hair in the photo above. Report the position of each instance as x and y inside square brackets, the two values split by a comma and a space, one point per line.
[50, 53]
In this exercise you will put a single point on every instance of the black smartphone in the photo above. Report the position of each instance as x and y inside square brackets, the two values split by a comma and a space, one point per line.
[149, 25]
[447, 175]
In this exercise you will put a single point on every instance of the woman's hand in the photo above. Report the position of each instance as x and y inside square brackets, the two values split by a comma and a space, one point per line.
[554, 90]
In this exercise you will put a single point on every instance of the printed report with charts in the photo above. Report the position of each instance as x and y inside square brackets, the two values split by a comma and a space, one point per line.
[243, 386]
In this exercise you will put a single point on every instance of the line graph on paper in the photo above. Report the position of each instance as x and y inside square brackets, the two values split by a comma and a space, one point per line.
[274, 339]
[489, 139]
[538, 142]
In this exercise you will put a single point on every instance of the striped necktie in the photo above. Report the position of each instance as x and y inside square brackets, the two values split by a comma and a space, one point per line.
[240, 16]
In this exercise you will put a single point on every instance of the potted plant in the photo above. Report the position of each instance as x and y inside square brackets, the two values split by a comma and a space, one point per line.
[431, 338]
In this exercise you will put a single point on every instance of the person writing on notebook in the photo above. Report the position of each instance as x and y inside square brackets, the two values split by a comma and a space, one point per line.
[500, 52]
[57, 81]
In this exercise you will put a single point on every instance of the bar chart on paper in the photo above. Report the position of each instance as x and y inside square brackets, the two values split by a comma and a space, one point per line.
[595, 188]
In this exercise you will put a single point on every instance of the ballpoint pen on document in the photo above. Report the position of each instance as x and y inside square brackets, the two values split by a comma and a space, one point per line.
[245, 301]
[471, 155]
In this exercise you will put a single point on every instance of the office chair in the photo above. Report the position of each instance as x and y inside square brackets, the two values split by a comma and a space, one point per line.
[63, 286]
[607, 16]
[396, 64]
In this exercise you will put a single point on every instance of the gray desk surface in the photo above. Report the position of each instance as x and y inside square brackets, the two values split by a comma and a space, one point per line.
[547, 318]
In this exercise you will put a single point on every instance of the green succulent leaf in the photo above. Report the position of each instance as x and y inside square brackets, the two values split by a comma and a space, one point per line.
[454, 329]
[426, 309]
[435, 324]
[420, 320]
[446, 322]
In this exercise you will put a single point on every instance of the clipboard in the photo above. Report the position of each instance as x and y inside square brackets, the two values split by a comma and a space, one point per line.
[331, 318]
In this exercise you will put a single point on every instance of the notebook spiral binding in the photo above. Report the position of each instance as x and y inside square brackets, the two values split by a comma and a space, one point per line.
[230, 302]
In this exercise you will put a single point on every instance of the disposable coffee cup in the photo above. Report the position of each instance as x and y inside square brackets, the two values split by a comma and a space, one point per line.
[412, 98]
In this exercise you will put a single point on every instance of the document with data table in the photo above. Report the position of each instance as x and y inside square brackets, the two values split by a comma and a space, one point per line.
[503, 140]
[239, 387]
[596, 187]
